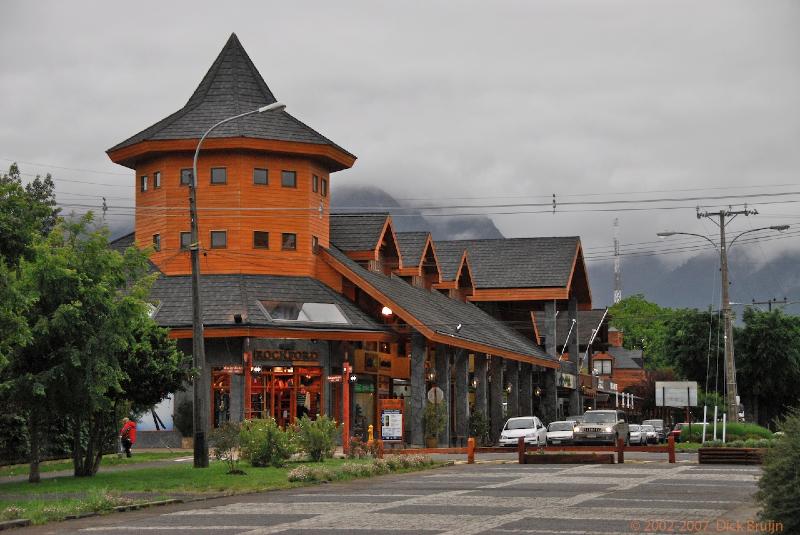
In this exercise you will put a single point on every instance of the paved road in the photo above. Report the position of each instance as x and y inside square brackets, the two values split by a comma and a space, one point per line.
[462, 500]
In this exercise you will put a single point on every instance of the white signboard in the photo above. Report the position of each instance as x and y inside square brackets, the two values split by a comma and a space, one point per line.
[435, 395]
[676, 394]
[392, 424]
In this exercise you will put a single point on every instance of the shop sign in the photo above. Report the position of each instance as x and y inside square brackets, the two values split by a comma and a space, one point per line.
[284, 354]
[237, 370]
[365, 388]
[391, 424]
[334, 378]
[566, 380]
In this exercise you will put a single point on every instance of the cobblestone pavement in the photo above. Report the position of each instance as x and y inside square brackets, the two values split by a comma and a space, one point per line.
[467, 499]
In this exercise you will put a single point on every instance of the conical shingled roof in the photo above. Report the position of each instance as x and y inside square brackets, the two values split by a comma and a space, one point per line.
[231, 86]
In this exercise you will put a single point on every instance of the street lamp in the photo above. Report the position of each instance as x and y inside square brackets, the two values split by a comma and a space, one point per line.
[200, 384]
[730, 363]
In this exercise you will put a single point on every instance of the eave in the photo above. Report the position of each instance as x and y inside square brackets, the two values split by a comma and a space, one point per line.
[333, 158]
[271, 332]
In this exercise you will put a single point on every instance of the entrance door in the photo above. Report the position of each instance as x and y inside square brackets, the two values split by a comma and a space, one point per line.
[285, 394]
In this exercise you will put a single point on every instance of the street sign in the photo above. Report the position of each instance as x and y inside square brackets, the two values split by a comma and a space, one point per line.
[334, 378]
[435, 395]
[676, 393]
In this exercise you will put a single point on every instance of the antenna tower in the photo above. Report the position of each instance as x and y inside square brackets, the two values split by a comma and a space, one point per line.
[617, 270]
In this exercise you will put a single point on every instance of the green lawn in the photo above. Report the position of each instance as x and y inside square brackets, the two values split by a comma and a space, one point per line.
[55, 498]
[108, 460]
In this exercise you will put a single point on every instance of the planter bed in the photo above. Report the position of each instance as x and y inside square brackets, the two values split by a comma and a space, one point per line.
[568, 458]
[731, 455]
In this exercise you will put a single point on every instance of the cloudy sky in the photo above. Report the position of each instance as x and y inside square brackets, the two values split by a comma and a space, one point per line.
[486, 103]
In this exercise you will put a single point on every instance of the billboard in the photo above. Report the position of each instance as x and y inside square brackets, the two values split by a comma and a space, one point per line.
[676, 393]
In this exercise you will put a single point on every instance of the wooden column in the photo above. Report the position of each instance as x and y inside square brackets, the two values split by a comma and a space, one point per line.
[526, 390]
[496, 419]
[575, 401]
[512, 382]
[417, 405]
[461, 401]
[481, 384]
[443, 382]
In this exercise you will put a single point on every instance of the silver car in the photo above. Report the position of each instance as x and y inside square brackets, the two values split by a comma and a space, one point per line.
[638, 436]
[650, 433]
[602, 426]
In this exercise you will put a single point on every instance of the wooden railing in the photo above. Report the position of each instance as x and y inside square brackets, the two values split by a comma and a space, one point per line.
[522, 449]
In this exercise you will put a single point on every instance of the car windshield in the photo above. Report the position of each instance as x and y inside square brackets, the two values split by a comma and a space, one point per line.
[520, 423]
[600, 417]
[654, 423]
[560, 426]
[634, 428]
[648, 428]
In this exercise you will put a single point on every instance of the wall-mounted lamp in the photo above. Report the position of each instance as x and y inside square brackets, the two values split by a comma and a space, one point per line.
[508, 389]
[474, 383]
[431, 376]
[537, 391]
[353, 378]
[386, 311]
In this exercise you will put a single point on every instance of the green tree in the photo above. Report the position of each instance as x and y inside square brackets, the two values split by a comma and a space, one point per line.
[26, 212]
[768, 363]
[94, 349]
[694, 342]
[644, 326]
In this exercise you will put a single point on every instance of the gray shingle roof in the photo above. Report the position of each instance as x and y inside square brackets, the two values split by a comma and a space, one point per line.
[356, 232]
[627, 359]
[449, 254]
[442, 314]
[231, 86]
[587, 321]
[123, 242]
[412, 245]
[225, 295]
[514, 262]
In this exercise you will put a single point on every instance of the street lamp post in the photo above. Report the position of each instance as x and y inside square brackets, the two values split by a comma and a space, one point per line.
[201, 386]
[730, 363]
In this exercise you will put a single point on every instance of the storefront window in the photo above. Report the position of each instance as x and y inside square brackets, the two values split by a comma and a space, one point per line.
[285, 393]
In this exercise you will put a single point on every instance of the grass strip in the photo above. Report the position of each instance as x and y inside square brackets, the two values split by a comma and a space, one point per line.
[108, 460]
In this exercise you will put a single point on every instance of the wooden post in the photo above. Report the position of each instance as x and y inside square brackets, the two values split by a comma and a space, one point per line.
[471, 450]
[379, 449]
[621, 450]
[346, 407]
[521, 449]
[671, 448]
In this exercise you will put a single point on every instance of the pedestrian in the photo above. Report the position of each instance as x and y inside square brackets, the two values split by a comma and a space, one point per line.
[127, 435]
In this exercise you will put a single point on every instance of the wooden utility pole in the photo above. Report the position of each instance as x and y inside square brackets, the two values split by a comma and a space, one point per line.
[725, 216]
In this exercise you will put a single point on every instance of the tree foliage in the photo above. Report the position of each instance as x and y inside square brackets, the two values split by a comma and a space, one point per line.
[644, 326]
[694, 343]
[779, 486]
[768, 362]
[93, 351]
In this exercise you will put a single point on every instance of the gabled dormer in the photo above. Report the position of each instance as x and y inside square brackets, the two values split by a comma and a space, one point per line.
[367, 238]
[420, 265]
[462, 285]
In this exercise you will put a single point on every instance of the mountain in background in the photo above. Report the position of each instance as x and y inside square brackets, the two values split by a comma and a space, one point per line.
[371, 198]
[691, 284]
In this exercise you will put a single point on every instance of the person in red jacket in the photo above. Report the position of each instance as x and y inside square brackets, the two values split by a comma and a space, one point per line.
[127, 435]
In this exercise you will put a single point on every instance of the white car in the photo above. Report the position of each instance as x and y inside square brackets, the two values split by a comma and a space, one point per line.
[651, 435]
[638, 435]
[560, 432]
[529, 427]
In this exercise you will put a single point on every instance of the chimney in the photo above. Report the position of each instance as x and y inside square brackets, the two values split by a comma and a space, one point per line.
[614, 337]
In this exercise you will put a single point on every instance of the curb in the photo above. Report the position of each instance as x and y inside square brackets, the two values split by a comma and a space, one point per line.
[10, 524]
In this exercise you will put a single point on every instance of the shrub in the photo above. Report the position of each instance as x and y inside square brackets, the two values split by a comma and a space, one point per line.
[264, 443]
[733, 431]
[361, 450]
[479, 428]
[226, 442]
[183, 418]
[779, 486]
[435, 419]
[308, 474]
[317, 438]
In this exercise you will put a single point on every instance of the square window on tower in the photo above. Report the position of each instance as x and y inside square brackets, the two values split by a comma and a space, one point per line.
[289, 179]
[260, 239]
[219, 239]
[260, 176]
[289, 241]
[219, 175]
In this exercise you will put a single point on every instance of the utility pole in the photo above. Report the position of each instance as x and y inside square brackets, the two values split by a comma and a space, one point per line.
[617, 270]
[770, 302]
[725, 217]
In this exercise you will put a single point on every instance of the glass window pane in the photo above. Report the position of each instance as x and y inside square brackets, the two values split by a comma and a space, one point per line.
[143, 183]
[157, 242]
[304, 312]
[289, 242]
[219, 239]
[186, 240]
[260, 176]
[157, 179]
[260, 239]
[324, 187]
[186, 177]
[314, 183]
[219, 175]
[289, 179]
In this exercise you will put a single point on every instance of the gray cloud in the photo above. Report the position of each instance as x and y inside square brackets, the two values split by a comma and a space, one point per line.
[498, 101]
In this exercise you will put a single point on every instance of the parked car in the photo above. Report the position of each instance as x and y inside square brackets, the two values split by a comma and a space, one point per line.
[650, 434]
[676, 431]
[530, 427]
[578, 418]
[638, 437]
[602, 426]
[560, 432]
[660, 428]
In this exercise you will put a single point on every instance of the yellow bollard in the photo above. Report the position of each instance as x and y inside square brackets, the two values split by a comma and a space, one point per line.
[370, 438]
